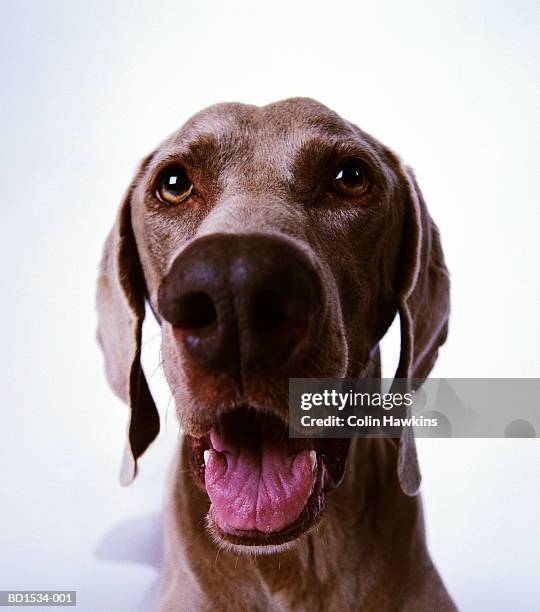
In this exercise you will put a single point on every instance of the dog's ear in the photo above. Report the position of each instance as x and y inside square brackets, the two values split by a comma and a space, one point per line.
[423, 306]
[121, 305]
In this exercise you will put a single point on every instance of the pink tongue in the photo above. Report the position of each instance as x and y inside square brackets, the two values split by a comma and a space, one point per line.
[263, 488]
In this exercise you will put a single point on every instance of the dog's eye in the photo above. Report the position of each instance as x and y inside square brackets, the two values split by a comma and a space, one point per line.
[173, 186]
[351, 179]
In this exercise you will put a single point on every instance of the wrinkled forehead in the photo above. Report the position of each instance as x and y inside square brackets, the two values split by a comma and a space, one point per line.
[267, 140]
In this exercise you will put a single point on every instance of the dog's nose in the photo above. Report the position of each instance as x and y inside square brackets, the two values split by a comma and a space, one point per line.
[240, 302]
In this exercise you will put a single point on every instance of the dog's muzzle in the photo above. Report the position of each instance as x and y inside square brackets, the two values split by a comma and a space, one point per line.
[244, 309]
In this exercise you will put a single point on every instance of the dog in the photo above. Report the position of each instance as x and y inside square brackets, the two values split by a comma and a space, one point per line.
[276, 242]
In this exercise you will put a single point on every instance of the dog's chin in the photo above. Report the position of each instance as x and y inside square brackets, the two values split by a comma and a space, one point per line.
[265, 489]
[257, 543]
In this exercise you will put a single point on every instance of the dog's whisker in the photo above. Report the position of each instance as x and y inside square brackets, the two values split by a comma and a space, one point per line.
[147, 342]
[217, 555]
[154, 372]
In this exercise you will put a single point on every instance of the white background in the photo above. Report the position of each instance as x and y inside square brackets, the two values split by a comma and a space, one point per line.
[89, 88]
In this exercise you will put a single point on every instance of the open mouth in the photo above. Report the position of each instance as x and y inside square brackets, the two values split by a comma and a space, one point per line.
[264, 487]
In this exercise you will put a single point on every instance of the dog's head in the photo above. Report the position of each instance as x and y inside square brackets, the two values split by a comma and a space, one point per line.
[270, 243]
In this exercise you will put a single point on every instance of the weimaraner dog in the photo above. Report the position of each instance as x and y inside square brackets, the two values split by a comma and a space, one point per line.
[276, 242]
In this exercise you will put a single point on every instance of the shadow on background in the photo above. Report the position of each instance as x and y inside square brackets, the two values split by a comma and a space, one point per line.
[137, 540]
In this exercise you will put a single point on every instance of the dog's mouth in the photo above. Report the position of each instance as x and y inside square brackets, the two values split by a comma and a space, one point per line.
[265, 488]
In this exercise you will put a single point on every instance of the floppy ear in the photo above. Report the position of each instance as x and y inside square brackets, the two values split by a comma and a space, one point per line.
[120, 305]
[423, 306]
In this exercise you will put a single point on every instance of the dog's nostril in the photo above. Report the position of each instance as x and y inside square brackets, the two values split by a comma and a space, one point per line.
[272, 312]
[267, 311]
[196, 311]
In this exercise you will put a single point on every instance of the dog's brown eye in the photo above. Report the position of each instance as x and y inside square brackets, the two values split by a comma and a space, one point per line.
[351, 179]
[173, 186]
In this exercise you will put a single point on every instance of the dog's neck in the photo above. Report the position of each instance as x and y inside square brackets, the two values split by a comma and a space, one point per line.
[378, 528]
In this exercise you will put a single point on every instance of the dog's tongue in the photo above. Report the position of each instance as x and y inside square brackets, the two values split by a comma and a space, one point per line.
[261, 487]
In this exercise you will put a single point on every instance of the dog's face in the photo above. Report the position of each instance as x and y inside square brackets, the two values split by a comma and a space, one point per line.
[271, 243]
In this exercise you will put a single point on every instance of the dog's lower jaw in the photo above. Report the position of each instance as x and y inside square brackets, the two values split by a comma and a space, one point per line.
[266, 549]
